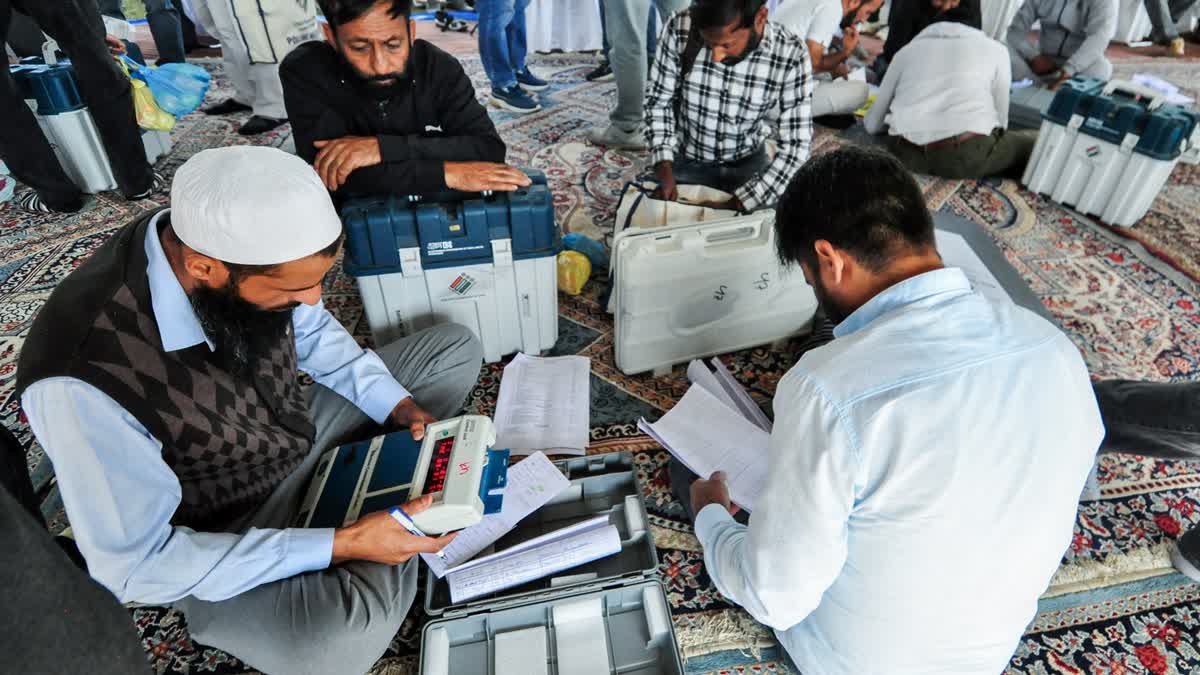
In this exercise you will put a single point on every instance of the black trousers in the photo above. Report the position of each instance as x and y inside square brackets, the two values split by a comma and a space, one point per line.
[79, 30]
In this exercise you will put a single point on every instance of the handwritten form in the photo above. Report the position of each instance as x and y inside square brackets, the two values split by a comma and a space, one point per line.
[545, 404]
[531, 483]
[707, 435]
[541, 557]
[956, 252]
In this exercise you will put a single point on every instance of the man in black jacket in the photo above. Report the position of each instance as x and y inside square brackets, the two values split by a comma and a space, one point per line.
[375, 111]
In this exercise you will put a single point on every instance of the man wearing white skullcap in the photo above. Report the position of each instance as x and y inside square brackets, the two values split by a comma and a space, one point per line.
[161, 380]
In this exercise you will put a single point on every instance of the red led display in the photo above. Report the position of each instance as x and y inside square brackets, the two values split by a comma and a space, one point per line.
[439, 465]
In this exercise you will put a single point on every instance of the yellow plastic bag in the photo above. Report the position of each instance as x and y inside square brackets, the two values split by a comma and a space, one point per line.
[149, 115]
[574, 269]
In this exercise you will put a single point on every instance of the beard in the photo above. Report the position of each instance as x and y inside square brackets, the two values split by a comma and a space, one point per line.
[751, 45]
[242, 331]
[833, 310]
[379, 83]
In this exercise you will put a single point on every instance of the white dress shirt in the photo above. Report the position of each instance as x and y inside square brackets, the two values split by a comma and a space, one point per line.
[924, 474]
[949, 80]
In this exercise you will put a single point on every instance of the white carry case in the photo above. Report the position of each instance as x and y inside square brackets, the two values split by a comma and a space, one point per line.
[690, 291]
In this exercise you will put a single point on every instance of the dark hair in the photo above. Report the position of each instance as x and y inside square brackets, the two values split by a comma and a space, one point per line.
[960, 14]
[861, 200]
[711, 14]
[338, 12]
[238, 271]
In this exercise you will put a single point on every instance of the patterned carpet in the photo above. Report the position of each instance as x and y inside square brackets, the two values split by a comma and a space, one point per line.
[1133, 313]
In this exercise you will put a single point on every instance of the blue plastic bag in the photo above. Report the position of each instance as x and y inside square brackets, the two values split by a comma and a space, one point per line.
[178, 88]
[591, 248]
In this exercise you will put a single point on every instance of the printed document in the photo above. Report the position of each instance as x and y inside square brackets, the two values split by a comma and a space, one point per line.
[531, 483]
[534, 559]
[707, 436]
[545, 404]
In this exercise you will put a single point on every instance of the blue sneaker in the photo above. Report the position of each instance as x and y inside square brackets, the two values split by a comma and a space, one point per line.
[514, 99]
[530, 81]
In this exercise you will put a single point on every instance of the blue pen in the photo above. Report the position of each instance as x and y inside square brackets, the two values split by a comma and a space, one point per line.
[406, 522]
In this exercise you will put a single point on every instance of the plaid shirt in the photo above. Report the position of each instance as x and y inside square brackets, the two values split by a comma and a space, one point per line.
[724, 109]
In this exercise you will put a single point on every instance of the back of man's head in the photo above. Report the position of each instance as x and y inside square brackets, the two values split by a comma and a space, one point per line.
[340, 12]
[862, 201]
[716, 14]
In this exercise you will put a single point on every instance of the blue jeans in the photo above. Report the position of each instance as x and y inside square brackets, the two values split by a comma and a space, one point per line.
[502, 39]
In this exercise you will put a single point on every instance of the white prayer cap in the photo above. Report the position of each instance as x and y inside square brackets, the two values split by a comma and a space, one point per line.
[252, 205]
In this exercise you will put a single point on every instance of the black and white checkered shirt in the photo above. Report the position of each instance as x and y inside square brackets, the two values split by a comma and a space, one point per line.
[724, 109]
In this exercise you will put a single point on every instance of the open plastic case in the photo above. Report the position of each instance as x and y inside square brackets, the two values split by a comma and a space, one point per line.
[562, 615]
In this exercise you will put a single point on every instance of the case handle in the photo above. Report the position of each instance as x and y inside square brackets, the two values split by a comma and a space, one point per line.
[1157, 99]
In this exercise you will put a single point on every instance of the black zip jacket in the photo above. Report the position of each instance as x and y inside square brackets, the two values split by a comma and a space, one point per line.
[422, 121]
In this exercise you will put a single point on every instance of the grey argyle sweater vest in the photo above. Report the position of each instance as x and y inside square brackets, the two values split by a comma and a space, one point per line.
[230, 440]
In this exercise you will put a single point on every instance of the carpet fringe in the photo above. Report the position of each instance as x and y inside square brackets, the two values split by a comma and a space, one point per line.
[1118, 568]
[720, 631]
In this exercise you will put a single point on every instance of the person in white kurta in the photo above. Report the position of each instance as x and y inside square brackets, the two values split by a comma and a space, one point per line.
[255, 36]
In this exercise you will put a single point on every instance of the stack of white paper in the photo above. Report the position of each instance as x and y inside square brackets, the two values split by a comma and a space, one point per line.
[721, 384]
[540, 557]
[531, 483]
[545, 404]
[708, 435]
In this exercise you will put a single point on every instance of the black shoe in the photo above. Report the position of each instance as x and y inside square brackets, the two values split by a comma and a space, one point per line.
[226, 107]
[1185, 554]
[158, 184]
[258, 125]
[601, 73]
[32, 202]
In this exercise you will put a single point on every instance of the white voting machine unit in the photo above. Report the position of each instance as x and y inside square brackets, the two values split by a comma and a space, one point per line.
[688, 291]
[386, 471]
[606, 615]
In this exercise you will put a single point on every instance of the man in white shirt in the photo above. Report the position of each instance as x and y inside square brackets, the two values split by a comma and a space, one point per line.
[944, 103]
[816, 22]
[925, 466]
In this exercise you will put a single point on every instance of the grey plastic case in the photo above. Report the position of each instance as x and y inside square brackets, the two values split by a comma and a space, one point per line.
[641, 639]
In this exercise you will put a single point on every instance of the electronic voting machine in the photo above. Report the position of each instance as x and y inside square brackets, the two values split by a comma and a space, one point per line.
[455, 463]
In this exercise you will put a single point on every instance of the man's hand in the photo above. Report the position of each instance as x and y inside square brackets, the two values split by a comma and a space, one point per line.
[339, 157]
[731, 204]
[711, 491]
[849, 39]
[840, 70]
[408, 415]
[379, 538]
[1059, 77]
[115, 46]
[667, 189]
[1042, 65]
[484, 176]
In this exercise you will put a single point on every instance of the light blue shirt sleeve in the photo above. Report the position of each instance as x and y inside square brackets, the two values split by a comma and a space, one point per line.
[120, 496]
[779, 566]
[327, 351]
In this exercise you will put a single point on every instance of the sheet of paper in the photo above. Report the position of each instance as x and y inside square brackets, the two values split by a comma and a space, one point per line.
[543, 540]
[707, 436]
[545, 404]
[580, 640]
[533, 563]
[521, 652]
[532, 482]
[956, 252]
[722, 384]
[857, 75]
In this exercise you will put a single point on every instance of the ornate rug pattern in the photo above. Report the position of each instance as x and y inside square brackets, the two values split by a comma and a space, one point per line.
[1130, 312]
